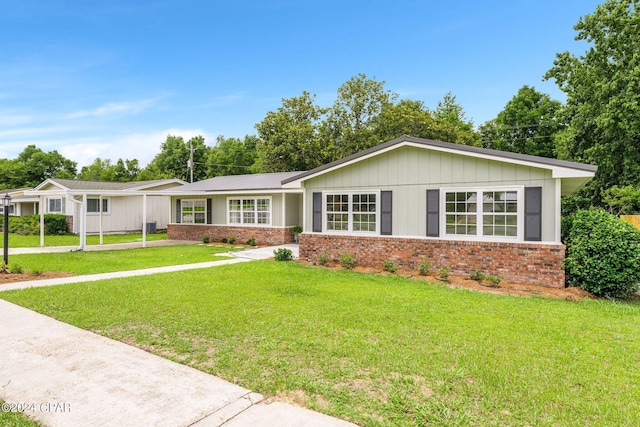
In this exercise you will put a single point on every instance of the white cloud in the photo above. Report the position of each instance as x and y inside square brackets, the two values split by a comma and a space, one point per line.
[141, 146]
[115, 108]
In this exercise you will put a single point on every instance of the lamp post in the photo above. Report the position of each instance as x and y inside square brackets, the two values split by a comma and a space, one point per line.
[6, 202]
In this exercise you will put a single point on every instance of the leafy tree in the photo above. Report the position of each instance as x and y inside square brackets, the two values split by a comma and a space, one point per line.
[172, 161]
[409, 117]
[289, 137]
[104, 170]
[622, 200]
[350, 124]
[40, 165]
[96, 171]
[232, 156]
[603, 96]
[528, 124]
[12, 174]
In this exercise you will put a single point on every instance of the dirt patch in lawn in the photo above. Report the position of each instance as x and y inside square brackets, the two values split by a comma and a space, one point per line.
[504, 287]
[6, 278]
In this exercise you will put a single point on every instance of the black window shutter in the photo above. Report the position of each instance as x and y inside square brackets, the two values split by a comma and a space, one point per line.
[178, 212]
[385, 213]
[317, 212]
[533, 214]
[433, 213]
[209, 213]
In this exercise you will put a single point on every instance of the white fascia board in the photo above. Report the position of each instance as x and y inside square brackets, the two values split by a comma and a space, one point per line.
[46, 182]
[556, 171]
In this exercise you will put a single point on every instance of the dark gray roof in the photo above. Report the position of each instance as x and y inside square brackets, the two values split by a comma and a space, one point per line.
[262, 181]
[76, 184]
[543, 161]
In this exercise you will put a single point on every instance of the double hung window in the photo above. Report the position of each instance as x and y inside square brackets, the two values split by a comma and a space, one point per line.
[254, 211]
[194, 211]
[482, 213]
[352, 212]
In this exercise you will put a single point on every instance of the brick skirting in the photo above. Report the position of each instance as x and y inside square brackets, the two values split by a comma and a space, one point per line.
[518, 262]
[263, 235]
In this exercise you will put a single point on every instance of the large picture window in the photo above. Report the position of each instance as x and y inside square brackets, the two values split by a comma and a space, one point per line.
[194, 211]
[481, 213]
[352, 212]
[93, 205]
[253, 211]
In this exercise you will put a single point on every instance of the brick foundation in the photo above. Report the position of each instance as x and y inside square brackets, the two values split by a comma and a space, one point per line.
[263, 235]
[517, 262]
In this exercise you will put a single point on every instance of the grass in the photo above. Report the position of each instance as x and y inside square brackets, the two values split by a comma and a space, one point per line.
[375, 350]
[19, 241]
[92, 262]
[17, 419]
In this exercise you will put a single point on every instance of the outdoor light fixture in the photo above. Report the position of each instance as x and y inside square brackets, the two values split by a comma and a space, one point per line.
[6, 202]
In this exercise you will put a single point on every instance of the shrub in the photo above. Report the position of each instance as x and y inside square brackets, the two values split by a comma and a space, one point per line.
[55, 224]
[205, 239]
[603, 254]
[283, 254]
[323, 258]
[347, 260]
[251, 241]
[3, 267]
[443, 274]
[35, 272]
[30, 225]
[296, 229]
[224, 240]
[477, 275]
[15, 269]
[424, 267]
[495, 279]
[231, 240]
[390, 266]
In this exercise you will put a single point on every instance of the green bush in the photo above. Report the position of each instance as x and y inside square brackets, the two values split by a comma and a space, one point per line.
[54, 224]
[251, 241]
[390, 266]
[231, 240]
[443, 274]
[603, 254]
[283, 254]
[494, 278]
[347, 260]
[424, 266]
[323, 258]
[477, 275]
[205, 239]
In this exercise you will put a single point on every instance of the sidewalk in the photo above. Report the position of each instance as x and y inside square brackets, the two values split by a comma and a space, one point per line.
[66, 376]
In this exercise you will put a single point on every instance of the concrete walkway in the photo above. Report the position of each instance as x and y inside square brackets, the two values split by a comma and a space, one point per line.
[65, 376]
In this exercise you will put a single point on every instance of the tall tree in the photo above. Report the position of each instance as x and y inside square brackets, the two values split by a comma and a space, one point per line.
[232, 156]
[350, 124]
[40, 165]
[104, 170]
[603, 96]
[12, 174]
[173, 159]
[528, 124]
[289, 137]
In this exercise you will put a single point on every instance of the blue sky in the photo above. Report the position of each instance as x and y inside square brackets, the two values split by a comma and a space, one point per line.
[113, 78]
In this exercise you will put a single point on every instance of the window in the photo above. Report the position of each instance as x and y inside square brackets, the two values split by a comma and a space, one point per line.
[93, 205]
[352, 212]
[11, 209]
[54, 205]
[481, 213]
[194, 211]
[249, 211]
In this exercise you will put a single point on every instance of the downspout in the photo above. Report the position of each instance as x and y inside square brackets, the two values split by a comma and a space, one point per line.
[558, 230]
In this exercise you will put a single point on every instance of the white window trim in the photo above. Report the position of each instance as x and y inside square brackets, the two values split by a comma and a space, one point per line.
[107, 212]
[349, 230]
[252, 224]
[47, 201]
[182, 221]
[519, 189]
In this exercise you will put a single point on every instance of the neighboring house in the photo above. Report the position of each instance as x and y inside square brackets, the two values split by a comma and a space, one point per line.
[97, 207]
[21, 205]
[240, 206]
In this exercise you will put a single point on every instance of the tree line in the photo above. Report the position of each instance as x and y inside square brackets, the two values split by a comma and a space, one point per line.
[599, 123]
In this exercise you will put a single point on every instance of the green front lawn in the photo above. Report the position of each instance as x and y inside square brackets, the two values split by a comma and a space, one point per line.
[375, 350]
[92, 262]
[16, 419]
[19, 241]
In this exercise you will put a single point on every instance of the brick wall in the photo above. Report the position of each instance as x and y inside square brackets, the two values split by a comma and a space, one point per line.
[263, 235]
[518, 262]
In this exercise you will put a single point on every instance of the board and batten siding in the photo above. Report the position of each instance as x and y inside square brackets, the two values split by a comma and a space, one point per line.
[409, 171]
[125, 214]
